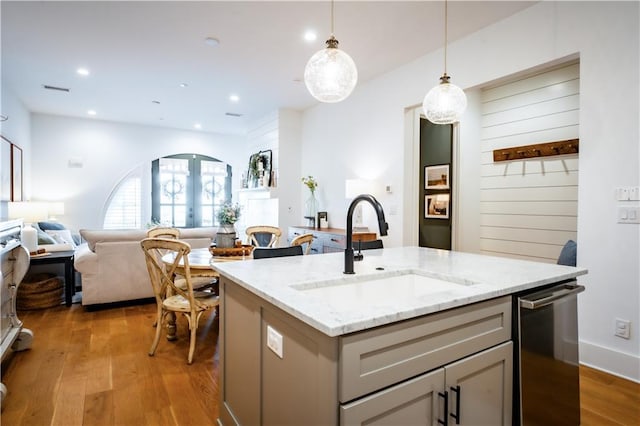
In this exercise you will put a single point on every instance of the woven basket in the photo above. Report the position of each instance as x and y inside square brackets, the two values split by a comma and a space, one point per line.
[40, 291]
[244, 250]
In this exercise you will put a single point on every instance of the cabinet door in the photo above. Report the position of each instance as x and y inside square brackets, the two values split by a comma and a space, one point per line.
[481, 388]
[414, 402]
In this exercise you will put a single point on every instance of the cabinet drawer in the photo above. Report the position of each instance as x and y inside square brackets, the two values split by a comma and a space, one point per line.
[335, 241]
[377, 358]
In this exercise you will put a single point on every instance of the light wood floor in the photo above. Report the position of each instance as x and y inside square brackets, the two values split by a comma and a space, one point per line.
[92, 368]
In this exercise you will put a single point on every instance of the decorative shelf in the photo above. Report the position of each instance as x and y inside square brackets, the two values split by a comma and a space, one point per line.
[570, 146]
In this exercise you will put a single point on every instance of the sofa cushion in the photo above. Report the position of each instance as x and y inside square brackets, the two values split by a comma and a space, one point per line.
[111, 235]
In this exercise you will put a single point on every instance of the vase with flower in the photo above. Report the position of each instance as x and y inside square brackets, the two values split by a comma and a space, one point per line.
[311, 205]
[228, 215]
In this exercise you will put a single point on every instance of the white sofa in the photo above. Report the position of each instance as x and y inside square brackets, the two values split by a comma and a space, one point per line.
[112, 265]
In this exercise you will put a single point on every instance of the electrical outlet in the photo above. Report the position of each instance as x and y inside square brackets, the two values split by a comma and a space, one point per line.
[623, 328]
[274, 341]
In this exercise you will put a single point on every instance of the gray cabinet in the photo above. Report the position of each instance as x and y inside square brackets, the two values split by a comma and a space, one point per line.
[476, 390]
[388, 375]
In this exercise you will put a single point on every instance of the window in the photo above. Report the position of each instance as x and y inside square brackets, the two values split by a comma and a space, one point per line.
[124, 210]
[188, 189]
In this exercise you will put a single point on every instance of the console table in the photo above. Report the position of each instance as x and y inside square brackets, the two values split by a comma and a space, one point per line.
[61, 257]
[328, 240]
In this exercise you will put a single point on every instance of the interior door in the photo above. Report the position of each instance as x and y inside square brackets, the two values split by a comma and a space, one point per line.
[435, 187]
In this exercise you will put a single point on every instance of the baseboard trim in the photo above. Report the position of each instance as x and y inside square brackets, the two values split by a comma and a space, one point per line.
[610, 361]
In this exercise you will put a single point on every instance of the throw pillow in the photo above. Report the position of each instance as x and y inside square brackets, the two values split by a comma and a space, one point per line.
[62, 236]
[44, 238]
[51, 226]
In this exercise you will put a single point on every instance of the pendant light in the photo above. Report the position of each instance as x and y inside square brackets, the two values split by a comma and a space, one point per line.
[330, 74]
[445, 103]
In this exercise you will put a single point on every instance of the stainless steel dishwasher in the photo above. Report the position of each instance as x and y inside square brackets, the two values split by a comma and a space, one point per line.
[547, 335]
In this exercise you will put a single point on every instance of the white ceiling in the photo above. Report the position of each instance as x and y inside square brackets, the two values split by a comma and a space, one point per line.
[139, 52]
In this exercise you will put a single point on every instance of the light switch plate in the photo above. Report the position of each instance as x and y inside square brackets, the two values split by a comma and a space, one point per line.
[274, 341]
[634, 193]
[628, 214]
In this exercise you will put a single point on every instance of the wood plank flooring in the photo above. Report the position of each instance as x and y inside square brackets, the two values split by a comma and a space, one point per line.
[92, 368]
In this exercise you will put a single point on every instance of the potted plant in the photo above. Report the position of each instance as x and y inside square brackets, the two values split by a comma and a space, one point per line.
[227, 216]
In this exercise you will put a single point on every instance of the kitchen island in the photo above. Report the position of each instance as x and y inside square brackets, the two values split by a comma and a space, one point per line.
[415, 336]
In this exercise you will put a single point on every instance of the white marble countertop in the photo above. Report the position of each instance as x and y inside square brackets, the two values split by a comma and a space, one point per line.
[413, 281]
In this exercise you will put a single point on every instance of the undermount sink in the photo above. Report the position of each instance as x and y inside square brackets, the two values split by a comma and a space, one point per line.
[384, 290]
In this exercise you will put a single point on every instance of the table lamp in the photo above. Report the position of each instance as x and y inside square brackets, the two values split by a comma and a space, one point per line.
[29, 212]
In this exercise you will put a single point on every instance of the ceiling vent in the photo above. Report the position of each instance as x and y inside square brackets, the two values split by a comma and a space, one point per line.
[233, 114]
[60, 89]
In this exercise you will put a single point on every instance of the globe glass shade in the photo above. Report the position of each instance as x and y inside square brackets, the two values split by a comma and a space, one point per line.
[330, 75]
[444, 104]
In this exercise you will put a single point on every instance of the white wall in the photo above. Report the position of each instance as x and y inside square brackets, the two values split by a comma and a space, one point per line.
[364, 137]
[109, 151]
[18, 130]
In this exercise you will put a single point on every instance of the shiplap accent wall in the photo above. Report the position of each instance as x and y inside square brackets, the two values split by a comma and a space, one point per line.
[528, 208]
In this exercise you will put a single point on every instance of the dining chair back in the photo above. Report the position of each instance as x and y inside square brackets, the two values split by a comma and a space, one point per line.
[301, 240]
[368, 245]
[263, 236]
[267, 252]
[163, 232]
[171, 298]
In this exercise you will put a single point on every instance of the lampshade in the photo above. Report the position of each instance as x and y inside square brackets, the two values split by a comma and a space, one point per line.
[330, 75]
[56, 209]
[445, 103]
[355, 187]
[29, 211]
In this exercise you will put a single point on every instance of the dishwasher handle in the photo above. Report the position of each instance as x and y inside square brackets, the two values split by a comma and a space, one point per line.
[551, 296]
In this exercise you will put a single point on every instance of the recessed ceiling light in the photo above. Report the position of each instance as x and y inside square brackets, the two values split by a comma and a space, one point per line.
[83, 72]
[91, 112]
[155, 102]
[234, 98]
[197, 126]
[184, 85]
[233, 114]
[310, 36]
[211, 41]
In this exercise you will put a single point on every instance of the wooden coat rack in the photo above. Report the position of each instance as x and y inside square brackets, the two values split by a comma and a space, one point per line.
[548, 149]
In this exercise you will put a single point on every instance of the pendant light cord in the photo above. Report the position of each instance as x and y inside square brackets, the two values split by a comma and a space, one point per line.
[332, 18]
[445, 37]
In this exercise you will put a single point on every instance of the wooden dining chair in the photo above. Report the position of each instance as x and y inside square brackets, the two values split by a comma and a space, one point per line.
[171, 298]
[263, 236]
[268, 252]
[199, 283]
[301, 240]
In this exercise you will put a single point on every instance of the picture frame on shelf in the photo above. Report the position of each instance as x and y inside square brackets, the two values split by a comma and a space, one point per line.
[437, 206]
[259, 170]
[323, 220]
[437, 177]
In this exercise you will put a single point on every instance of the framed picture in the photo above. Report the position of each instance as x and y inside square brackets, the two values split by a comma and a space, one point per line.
[436, 206]
[16, 173]
[436, 177]
[5, 169]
